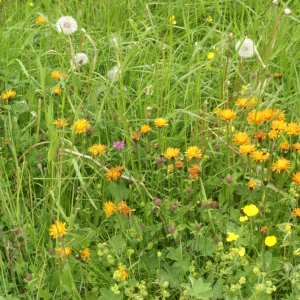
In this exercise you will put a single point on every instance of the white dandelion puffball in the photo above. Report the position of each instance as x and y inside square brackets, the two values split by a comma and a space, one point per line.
[67, 25]
[246, 48]
[287, 11]
[114, 73]
[81, 59]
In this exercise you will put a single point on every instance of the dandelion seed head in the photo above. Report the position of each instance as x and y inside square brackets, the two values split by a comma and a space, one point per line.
[81, 59]
[67, 25]
[246, 48]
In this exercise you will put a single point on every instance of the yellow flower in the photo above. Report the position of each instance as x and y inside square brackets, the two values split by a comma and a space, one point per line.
[284, 146]
[242, 219]
[81, 125]
[85, 253]
[246, 149]
[8, 95]
[281, 164]
[232, 237]
[296, 178]
[172, 153]
[279, 125]
[292, 128]
[241, 138]
[296, 146]
[114, 173]
[255, 117]
[136, 136]
[64, 252]
[211, 55]
[61, 123]
[209, 19]
[296, 252]
[160, 122]
[123, 273]
[241, 251]
[58, 229]
[288, 227]
[296, 212]
[56, 75]
[31, 4]
[124, 209]
[145, 128]
[228, 115]
[40, 20]
[273, 134]
[172, 20]
[193, 152]
[251, 210]
[252, 184]
[260, 156]
[56, 91]
[97, 149]
[109, 208]
[270, 241]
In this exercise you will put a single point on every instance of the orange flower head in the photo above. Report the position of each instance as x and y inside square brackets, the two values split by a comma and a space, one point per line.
[284, 146]
[61, 123]
[241, 138]
[194, 172]
[124, 209]
[40, 20]
[259, 136]
[56, 75]
[178, 164]
[114, 173]
[278, 125]
[228, 115]
[85, 254]
[296, 178]
[255, 117]
[8, 95]
[252, 184]
[123, 273]
[193, 152]
[109, 208]
[296, 146]
[136, 136]
[246, 149]
[58, 229]
[296, 212]
[292, 128]
[172, 153]
[98, 149]
[56, 91]
[273, 134]
[260, 156]
[281, 164]
[64, 252]
[145, 128]
[81, 125]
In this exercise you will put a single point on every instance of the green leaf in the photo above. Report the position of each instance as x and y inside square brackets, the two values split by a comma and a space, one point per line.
[118, 191]
[198, 289]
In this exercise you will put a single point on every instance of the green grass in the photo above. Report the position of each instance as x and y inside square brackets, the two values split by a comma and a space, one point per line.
[175, 248]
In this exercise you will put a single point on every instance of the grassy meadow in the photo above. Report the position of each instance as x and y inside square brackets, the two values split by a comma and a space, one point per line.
[149, 150]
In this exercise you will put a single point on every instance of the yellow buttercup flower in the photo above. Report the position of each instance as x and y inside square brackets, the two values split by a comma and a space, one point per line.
[251, 210]
[232, 237]
[270, 241]
[172, 20]
[211, 55]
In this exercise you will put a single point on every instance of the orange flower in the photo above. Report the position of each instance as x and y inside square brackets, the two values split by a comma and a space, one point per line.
[255, 117]
[281, 164]
[172, 153]
[292, 128]
[145, 129]
[61, 123]
[123, 273]
[56, 91]
[136, 136]
[244, 102]
[296, 147]
[252, 184]
[241, 138]
[114, 173]
[228, 115]
[194, 172]
[193, 152]
[246, 149]
[296, 178]
[85, 253]
[179, 164]
[56, 75]
[259, 136]
[64, 252]
[40, 20]
[296, 212]
[260, 156]
[109, 208]
[81, 125]
[273, 134]
[279, 125]
[98, 149]
[58, 229]
[284, 146]
[8, 95]
[124, 209]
